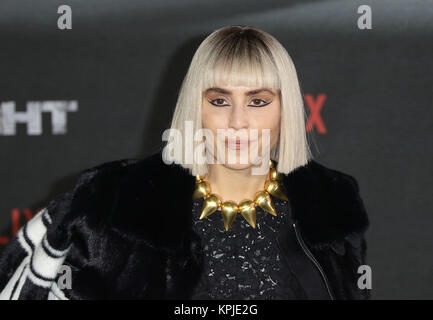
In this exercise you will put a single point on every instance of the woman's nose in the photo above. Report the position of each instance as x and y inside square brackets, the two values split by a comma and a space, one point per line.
[238, 117]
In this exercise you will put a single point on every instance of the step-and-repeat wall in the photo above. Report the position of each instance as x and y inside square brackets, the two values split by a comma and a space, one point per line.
[85, 82]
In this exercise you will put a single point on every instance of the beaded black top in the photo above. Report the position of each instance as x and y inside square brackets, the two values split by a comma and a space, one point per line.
[244, 263]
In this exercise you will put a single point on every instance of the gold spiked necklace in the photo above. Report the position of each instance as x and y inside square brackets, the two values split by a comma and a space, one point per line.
[247, 208]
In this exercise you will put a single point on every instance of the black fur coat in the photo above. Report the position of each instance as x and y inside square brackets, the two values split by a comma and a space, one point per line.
[115, 231]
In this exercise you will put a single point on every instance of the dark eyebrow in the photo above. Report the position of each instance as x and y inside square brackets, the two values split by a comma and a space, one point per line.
[248, 93]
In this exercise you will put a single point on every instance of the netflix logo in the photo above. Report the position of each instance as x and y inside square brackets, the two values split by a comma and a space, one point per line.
[315, 105]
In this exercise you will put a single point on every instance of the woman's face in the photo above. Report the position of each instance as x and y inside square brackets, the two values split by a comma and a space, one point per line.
[242, 113]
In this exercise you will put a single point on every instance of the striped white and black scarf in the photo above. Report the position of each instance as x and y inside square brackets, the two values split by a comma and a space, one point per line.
[30, 266]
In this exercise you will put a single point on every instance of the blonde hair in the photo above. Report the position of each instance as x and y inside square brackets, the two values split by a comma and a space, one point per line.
[245, 56]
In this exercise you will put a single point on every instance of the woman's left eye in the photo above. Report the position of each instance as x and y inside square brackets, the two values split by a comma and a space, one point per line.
[260, 103]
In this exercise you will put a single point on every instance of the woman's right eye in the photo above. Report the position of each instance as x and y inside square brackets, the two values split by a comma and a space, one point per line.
[218, 102]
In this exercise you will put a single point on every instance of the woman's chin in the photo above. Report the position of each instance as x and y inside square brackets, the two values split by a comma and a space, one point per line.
[238, 166]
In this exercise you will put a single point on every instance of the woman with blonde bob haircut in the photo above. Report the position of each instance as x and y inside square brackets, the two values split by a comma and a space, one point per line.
[172, 226]
[245, 56]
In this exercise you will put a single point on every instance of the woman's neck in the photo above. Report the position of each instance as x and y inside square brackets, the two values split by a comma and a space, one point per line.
[232, 184]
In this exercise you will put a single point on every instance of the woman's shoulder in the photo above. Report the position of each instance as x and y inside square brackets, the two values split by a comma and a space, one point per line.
[123, 168]
[123, 193]
[106, 176]
[97, 186]
[327, 202]
[316, 173]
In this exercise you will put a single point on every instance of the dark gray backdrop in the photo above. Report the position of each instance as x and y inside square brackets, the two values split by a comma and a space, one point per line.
[123, 62]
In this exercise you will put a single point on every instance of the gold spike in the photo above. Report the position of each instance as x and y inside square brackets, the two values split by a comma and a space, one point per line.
[271, 163]
[229, 209]
[210, 205]
[248, 211]
[264, 201]
[275, 175]
[276, 189]
[202, 189]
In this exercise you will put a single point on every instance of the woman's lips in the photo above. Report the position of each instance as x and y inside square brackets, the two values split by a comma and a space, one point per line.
[237, 144]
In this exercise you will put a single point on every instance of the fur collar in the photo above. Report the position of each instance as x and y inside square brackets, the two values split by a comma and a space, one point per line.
[153, 202]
